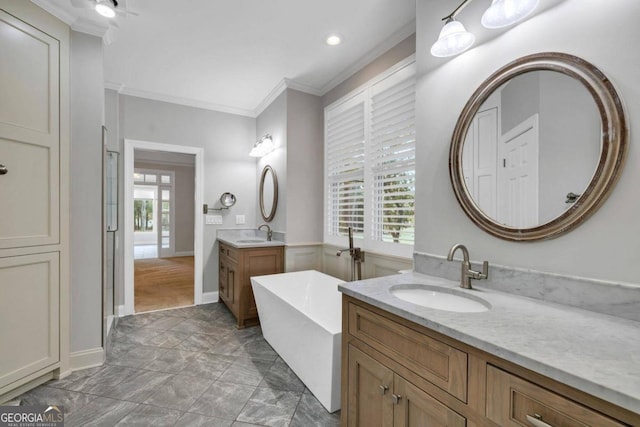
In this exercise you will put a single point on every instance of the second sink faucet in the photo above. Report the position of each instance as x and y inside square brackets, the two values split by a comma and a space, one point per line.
[269, 232]
[466, 272]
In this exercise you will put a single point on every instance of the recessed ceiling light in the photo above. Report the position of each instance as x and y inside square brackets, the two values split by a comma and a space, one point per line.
[105, 9]
[333, 40]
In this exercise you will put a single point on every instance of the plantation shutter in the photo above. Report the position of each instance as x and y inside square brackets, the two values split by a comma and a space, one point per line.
[345, 160]
[391, 156]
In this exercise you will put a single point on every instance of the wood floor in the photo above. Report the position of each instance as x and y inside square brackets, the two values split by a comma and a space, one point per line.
[163, 283]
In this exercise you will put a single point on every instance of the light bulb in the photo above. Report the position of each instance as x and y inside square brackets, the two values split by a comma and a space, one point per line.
[105, 10]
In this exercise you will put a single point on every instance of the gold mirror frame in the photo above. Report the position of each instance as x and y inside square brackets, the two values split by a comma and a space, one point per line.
[268, 216]
[613, 152]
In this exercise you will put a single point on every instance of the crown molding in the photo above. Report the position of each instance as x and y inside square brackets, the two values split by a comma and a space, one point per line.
[390, 42]
[89, 27]
[188, 102]
[292, 84]
[55, 10]
[275, 92]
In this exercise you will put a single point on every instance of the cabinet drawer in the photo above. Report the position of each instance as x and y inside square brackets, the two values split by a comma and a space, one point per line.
[435, 361]
[511, 400]
[229, 252]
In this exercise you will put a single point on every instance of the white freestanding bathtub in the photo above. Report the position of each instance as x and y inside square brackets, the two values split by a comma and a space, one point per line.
[301, 318]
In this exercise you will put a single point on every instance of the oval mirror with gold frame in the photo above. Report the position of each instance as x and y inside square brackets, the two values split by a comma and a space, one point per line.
[268, 193]
[524, 164]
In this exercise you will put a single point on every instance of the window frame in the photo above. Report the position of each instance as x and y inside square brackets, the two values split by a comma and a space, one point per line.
[365, 94]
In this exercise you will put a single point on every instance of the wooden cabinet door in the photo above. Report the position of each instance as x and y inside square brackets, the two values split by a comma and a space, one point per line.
[369, 387]
[29, 135]
[232, 282]
[29, 312]
[415, 408]
[257, 262]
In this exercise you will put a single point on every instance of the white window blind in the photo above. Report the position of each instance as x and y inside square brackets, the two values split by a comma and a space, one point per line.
[392, 159]
[370, 165]
[344, 160]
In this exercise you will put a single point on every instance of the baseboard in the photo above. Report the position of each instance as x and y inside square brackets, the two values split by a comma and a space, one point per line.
[87, 358]
[185, 253]
[120, 310]
[209, 297]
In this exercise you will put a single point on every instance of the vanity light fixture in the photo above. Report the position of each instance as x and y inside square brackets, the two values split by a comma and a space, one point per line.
[454, 39]
[104, 8]
[262, 146]
[503, 13]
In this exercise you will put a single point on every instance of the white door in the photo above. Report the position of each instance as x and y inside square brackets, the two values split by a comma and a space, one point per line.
[479, 160]
[518, 176]
[33, 192]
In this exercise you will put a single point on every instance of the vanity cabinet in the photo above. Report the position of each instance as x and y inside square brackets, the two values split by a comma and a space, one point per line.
[236, 267]
[398, 373]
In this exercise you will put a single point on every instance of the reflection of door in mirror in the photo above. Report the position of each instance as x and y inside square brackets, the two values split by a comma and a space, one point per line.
[520, 160]
[518, 175]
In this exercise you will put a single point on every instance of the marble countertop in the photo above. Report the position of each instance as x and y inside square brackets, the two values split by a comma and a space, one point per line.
[247, 238]
[596, 353]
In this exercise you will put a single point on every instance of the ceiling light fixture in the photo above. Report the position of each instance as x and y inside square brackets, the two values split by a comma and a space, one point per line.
[262, 146]
[104, 8]
[455, 39]
[333, 40]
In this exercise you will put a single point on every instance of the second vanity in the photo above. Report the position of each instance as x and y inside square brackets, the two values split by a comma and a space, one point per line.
[242, 254]
[519, 362]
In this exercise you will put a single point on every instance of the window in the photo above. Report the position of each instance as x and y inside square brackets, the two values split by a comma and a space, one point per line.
[370, 165]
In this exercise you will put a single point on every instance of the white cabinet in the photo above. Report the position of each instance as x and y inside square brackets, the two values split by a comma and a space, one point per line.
[34, 193]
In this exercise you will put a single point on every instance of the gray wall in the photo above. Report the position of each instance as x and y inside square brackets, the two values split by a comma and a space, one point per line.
[397, 53]
[305, 168]
[184, 187]
[600, 248]
[273, 121]
[226, 139]
[87, 107]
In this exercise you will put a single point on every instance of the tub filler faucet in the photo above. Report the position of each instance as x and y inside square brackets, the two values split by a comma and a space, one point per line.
[466, 273]
[357, 258]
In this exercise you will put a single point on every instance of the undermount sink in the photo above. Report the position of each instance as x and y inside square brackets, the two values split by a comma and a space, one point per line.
[250, 241]
[439, 298]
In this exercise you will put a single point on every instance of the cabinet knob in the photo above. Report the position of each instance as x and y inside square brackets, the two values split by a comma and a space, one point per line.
[536, 421]
[3, 170]
[396, 398]
[383, 389]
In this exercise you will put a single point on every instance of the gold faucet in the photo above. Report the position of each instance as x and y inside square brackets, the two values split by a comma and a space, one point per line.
[466, 272]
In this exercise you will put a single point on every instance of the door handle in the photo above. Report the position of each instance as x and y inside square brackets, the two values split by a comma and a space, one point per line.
[396, 398]
[3, 170]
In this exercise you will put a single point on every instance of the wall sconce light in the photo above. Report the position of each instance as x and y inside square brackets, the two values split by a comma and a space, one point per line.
[454, 39]
[226, 200]
[262, 146]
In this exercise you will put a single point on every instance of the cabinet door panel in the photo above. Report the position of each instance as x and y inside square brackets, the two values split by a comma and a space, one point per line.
[29, 312]
[416, 408]
[29, 135]
[370, 386]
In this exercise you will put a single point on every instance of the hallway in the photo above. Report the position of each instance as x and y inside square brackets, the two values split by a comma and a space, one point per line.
[185, 367]
[161, 283]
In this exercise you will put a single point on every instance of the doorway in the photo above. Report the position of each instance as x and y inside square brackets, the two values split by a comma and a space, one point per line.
[163, 233]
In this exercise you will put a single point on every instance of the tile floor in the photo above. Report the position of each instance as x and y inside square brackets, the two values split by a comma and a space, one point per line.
[185, 367]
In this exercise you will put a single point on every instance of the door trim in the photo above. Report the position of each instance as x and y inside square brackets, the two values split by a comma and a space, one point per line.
[129, 146]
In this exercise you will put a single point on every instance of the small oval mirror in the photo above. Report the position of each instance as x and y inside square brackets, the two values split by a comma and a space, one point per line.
[268, 193]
